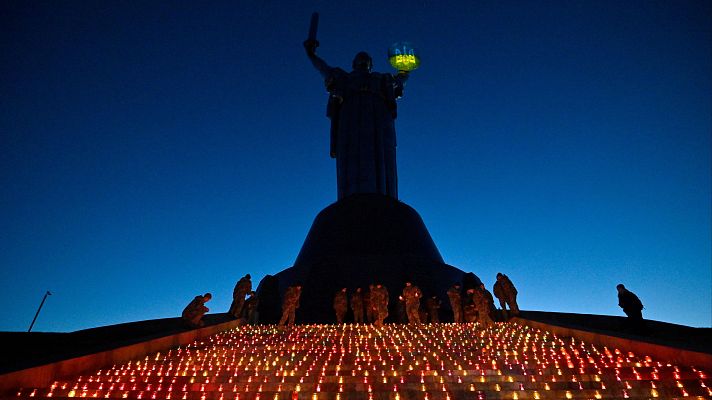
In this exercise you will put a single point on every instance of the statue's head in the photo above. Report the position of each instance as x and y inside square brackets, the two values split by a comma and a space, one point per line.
[362, 62]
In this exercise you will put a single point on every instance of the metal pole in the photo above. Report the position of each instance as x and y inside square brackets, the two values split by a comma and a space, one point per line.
[38, 309]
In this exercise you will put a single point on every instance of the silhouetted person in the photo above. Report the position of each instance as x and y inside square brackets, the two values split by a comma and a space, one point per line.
[411, 295]
[469, 310]
[483, 305]
[362, 109]
[250, 310]
[401, 314]
[433, 306]
[632, 307]
[505, 291]
[367, 305]
[490, 299]
[242, 288]
[194, 311]
[455, 302]
[423, 315]
[340, 305]
[290, 305]
[357, 305]
[379, 303]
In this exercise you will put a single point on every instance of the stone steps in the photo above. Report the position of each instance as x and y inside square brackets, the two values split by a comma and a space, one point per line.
[434, 361]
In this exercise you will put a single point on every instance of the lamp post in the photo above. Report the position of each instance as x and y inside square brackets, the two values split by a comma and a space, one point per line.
[48, 293]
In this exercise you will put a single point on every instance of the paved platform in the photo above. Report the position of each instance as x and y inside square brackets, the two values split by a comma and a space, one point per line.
[22, 350]
[661, 333]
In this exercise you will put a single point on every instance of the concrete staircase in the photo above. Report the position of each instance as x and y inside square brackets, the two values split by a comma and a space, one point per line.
[440, 361]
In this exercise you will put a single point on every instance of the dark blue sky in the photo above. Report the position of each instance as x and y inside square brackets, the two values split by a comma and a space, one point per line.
[152, 151]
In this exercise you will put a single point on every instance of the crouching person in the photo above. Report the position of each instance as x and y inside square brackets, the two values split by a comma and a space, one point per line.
[194, 311]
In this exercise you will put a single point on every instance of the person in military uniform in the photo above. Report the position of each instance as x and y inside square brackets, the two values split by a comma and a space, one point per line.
[470, 308]
[433, 306]
[490, 299]
[506, 293]
[455, 301]
[368, 306]
[411, 295]
[290, 304]
[401, 317]
[470, 313]
[194, 311]
[632, 307]
[340, 305]
[379, 303]
[357, 305]
[483, 305]
[242, 288]
[250, 309]
[423, 314]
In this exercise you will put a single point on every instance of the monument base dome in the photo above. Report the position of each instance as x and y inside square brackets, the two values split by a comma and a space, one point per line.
[361, 240]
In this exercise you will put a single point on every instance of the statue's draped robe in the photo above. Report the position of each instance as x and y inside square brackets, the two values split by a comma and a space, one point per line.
[362, 109]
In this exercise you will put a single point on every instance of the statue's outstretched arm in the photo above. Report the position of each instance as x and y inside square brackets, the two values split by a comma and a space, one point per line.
[318, 63]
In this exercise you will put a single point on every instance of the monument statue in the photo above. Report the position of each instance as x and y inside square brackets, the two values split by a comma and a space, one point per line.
[362, 109]
[368, 238]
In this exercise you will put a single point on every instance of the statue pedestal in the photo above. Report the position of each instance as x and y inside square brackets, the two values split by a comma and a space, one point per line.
[360, 240]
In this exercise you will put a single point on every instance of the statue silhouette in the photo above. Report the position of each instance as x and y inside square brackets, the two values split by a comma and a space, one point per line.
[362, 108]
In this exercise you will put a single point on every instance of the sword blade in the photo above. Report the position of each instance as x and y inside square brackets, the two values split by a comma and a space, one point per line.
[313, 25]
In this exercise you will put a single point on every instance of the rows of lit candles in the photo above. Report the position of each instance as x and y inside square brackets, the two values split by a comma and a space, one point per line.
[395, 361]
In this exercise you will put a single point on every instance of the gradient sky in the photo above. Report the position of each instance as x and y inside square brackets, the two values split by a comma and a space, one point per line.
[152, 151]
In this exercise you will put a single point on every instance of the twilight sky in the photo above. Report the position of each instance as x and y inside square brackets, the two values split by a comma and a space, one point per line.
[152, 151]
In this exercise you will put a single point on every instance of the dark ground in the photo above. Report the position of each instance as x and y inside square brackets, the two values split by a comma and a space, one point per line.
[19, 350]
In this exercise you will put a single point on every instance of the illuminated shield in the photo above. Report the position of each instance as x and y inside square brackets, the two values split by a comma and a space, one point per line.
[403, 56]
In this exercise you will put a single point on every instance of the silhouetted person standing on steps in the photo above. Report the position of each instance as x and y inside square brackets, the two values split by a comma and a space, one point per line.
[242, 288]
[250, 310]
[368, 305]
[290, 305]
[486, 293]
[340, 305]
[357, 305]
[379, 303]
[632, 307]
[505, 291]
[411, 295]
[470, 309]
[433, 306]
[483, 305]
[455, 302]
